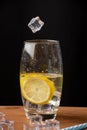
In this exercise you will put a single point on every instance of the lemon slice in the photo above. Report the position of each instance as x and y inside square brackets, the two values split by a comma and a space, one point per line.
[36, 88]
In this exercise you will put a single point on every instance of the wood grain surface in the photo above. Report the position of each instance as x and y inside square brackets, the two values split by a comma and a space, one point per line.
[67, 116]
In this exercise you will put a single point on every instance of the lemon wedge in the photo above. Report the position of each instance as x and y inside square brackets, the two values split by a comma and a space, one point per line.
[36, 88]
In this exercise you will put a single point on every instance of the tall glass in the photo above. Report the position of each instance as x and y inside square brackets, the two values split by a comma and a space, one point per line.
[41, 77]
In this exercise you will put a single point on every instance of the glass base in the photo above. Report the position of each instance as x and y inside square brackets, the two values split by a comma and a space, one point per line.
[44, 116]
[49, 116]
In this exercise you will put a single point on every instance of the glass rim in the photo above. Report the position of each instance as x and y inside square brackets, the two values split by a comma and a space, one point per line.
[41, 41]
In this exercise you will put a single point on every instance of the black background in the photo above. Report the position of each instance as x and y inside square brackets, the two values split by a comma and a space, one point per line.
[65, 20]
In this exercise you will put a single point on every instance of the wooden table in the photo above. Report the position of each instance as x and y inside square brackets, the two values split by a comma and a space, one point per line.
[67, 116]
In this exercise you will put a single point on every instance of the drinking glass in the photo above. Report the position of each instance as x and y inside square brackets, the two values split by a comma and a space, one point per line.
[41, 77]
